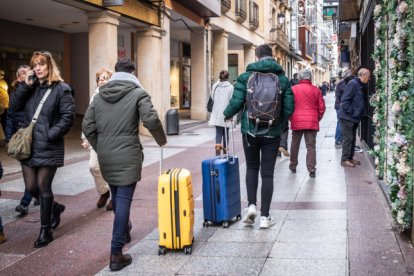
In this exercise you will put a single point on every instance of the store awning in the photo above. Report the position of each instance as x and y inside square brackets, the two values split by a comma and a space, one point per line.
[203, 8]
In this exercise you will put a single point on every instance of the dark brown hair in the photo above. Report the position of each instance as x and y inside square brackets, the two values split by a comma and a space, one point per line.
[224, 75]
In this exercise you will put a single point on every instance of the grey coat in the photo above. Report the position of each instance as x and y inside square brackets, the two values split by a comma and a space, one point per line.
[111, 127]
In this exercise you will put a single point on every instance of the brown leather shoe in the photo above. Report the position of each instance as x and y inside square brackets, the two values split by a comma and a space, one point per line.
[355, 162]
[2, 238]
[109, 207]
[102, 200]
[347, 163]
[118, 262]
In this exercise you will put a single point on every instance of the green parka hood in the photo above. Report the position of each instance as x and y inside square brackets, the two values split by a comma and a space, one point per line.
[265, 66]
[113, 91]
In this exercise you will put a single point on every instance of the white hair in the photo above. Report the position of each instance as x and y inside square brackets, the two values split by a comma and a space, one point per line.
[305, 74]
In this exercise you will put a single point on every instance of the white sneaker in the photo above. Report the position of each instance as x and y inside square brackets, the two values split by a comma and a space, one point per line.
[250, 215]
[266, 222]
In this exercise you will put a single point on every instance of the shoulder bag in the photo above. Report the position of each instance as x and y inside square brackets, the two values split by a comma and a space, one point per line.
[210, 102]
[20, 144]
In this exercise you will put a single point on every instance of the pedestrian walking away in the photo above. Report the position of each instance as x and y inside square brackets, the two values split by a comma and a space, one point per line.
[102, 77]
[15, 121]
[348, 76]
[309, 110]
[54, 121]
[351, 111]
[221, 94]
[261, 139]
[111, 127]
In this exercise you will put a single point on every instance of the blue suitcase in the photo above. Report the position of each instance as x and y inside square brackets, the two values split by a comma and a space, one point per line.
[221, 189]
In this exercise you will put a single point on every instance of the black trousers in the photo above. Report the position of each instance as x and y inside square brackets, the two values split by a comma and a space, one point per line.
[348, 129]
[261, 154]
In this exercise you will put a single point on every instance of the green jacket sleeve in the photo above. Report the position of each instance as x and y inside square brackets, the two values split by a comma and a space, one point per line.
[149, 117]
[238, 99]
[89, 127]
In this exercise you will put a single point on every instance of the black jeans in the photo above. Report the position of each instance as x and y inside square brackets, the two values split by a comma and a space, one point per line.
[348, 129]
[260, 155]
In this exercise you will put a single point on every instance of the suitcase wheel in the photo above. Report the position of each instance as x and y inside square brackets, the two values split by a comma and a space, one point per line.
[226, 224]
[205, 223]
[162, 250]
[238, 217]
[187, 250]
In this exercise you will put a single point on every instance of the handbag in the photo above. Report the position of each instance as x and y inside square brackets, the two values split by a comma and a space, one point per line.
[210, 102]
[20, 144]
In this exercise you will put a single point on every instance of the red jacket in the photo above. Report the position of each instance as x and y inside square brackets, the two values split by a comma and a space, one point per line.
[309, 106]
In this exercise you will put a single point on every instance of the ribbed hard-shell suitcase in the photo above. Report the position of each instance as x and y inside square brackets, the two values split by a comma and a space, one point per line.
[175, 211]
[221, 189]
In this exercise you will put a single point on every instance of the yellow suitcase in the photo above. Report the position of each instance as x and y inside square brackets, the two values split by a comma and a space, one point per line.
[175, 211]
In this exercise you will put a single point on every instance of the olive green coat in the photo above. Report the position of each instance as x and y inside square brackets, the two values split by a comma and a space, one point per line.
[111, 127]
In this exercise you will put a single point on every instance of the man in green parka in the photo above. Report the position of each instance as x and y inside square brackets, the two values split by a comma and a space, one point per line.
[260, 142]
[111, 127]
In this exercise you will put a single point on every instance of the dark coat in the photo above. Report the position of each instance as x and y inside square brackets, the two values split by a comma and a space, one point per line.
[111, 127]
[55, 120]
[238, 99]
[309, 106]
[340, 90]
[352, 101]
[14, 121]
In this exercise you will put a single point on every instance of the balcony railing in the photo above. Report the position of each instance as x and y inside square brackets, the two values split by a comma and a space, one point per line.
[254, 15]
[225, 5]
[241, 10]
[279, 37]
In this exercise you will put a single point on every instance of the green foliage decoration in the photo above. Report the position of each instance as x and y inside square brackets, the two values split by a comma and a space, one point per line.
[394, 132]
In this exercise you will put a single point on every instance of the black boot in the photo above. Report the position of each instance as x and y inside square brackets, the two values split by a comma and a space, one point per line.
[45, 236]
[58, 209]
[118, 262]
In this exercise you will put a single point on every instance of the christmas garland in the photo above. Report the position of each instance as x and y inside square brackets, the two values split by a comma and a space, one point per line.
[394, 147]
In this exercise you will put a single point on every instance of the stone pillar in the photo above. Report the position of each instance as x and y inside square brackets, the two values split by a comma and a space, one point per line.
[153, 65]
[200, 84]
[249, 54]
[220, 47]
[103, 43]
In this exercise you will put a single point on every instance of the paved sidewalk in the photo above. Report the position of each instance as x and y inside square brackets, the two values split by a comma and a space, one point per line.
[335, 224]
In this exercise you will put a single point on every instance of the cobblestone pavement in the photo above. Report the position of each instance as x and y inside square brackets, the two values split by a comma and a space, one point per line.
[335, 224]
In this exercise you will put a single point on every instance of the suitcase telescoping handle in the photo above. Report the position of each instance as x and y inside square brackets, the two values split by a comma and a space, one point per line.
[161, 157]
[227, 140]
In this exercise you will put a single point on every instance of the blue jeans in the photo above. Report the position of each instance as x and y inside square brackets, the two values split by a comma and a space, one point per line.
[260, 155]
[1, 226]
[220, 136]
[121, 202]
[338, 132]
